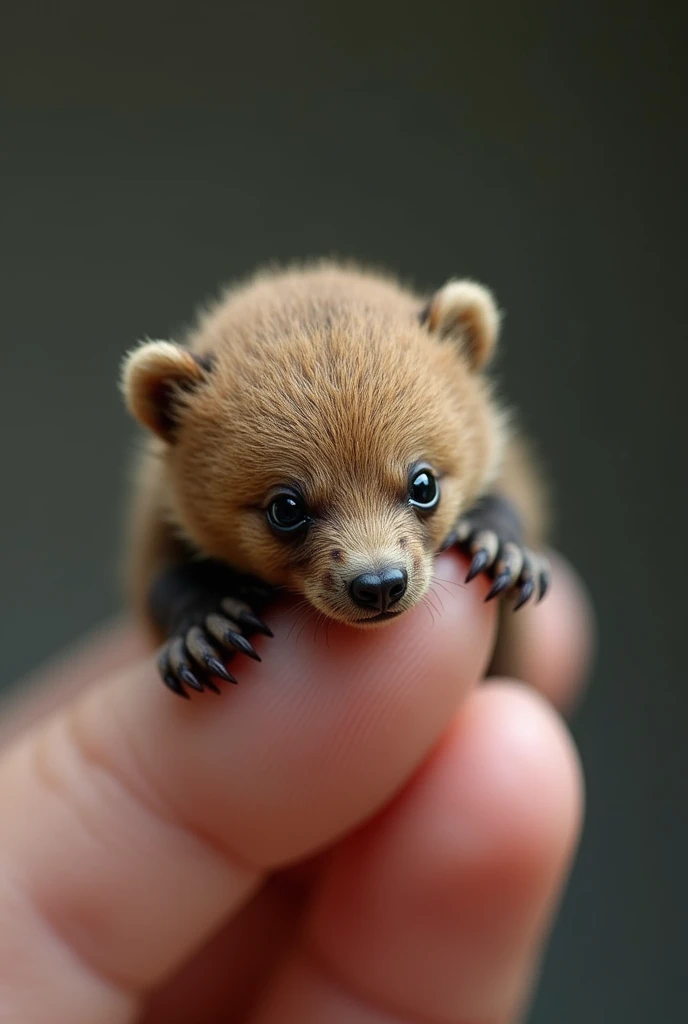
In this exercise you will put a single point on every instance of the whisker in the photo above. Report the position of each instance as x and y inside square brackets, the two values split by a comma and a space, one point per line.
[439, 600]
[432, 602]
[302, 629]
[452, 583]
[303, 610]
[428, 609]
[318, 623]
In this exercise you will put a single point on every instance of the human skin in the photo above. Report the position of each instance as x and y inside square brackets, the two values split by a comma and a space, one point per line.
[362, 831]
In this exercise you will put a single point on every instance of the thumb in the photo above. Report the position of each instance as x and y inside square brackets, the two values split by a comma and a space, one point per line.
[134, 824]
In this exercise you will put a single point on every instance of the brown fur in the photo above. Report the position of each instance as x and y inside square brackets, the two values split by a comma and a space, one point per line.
[322, 377]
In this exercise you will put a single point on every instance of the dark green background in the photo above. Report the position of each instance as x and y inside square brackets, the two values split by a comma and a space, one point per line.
[150, 153]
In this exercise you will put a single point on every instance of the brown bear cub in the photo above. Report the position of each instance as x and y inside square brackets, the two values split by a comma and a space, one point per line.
[328, 431]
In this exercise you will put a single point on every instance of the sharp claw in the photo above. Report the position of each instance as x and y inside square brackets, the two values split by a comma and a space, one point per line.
[173, 684]
[500, 584]
[220, 628]
[544, 585]
[167, 674]
[252, 621]
[480, 560]
[218, 669]
[210, 685]
[205, 655]
[242, 644]
[190, 679]
[449, 541]
[525, 593]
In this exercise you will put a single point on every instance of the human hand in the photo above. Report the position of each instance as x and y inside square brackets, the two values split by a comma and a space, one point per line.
[357, 833]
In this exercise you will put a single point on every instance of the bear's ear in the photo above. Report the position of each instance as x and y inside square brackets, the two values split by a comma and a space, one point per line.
[465, 312]
[154, 377]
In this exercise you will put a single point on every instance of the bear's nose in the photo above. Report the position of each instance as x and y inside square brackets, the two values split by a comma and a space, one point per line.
[379, 591]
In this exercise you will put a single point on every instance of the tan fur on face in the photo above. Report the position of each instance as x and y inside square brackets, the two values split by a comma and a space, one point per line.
[322, 379]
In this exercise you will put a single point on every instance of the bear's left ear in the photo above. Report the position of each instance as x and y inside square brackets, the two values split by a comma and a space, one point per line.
[155, 377]
[467, 313]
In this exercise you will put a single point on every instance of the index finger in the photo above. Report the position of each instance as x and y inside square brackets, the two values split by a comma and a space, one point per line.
[134, 824]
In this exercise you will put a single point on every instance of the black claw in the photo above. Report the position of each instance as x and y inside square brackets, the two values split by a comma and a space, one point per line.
[218, 669]
[449, 541]
[187, 676]
[173, 684]
[500, 584]
[168, 675]
[251, 621]
[544, 585]
[480, 560]
[164, 662]
[525, 593]
[210, 685]
[241, 644]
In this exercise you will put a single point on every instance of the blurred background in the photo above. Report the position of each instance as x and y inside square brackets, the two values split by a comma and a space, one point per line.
[151, 152]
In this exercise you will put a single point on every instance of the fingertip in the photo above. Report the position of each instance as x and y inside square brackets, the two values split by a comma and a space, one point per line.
[552, 644]
[314, 738]
[440, 905]
[529, 782]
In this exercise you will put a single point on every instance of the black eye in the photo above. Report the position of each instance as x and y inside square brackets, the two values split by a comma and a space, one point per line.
[286, 513]
[424, 492]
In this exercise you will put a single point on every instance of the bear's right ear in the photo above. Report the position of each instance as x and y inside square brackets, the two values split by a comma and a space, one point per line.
[154, 377]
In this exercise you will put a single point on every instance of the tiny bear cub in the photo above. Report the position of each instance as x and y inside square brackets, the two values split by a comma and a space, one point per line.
[327, 431]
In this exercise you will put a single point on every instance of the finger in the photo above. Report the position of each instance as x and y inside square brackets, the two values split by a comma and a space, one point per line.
[135, 824]
[550, 644]
[253, 942]
[105, 650]
[222, 980]
[437, 910]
